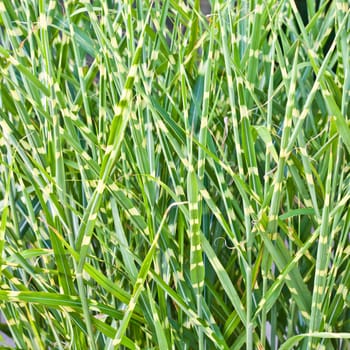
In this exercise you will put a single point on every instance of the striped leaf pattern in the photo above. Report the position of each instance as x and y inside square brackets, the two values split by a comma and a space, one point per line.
[173, 175]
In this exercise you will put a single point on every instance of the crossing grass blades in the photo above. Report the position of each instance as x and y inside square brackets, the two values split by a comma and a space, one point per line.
[180, 186]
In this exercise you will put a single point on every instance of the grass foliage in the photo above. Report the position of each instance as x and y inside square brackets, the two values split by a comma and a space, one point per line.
[171, 180]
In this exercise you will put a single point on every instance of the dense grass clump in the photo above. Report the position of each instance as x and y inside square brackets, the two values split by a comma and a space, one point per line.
[175, 180]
